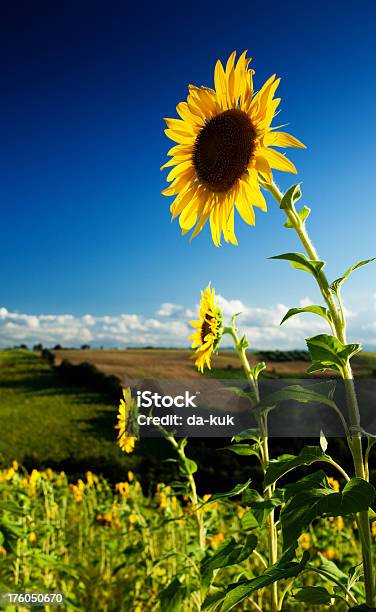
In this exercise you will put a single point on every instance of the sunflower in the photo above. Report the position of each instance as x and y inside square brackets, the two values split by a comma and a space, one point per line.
[209, 327]
[223, 150]
[125, 439]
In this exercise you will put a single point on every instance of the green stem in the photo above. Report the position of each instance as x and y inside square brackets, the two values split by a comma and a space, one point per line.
[194, 497]
[355, 441]
[268, 491]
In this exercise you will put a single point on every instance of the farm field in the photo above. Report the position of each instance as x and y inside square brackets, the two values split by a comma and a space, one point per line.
[169, 363]
[109, 542]
[44, 421]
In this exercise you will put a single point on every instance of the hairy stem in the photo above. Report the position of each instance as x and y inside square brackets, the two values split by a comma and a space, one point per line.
[355, 439]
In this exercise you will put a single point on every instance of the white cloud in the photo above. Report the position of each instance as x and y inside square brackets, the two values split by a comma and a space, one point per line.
[170, 327]
[167, 309]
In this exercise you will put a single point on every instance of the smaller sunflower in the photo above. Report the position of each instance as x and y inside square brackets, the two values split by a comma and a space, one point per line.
[126, 438]
[209, 328]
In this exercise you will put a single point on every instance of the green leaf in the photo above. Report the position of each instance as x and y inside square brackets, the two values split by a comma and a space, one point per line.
[297, 393]
[331, 568]
[319, 310]
[303, 214]
[291, 197]
[316, 480]
[257, 369]
[316, 501]
[213, 600]
[249, 521]
[236, 490]
[281, 466]
[336, 285]
[243, 342]
[248, 434]
[172, 596]
[188, 466]
[300, 262]
[261, 507]
[314, 595]
[327, 352]
[241, 393]
[243, 449]
[238, 592]
[229, 553]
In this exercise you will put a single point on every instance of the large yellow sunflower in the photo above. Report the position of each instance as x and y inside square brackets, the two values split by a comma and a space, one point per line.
[126, 440]
[208, 332]
[223, 150]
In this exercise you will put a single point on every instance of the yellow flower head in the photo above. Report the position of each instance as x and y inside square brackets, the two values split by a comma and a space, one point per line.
[133, 519]
[373, 528]
[91, 479]
[126, 439]
[33, 479]
[208, 332]
[32, 537]
[330, 553]
[334, 483]
[223, 151]
[216, 540]
[123, 489]
[305, 541]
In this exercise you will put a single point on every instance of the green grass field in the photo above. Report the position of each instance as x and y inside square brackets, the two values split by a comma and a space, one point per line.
[46, 422]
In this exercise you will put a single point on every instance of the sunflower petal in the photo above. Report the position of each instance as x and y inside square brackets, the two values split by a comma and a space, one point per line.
[182, 127]
[278, 161]
[282, 139]
[186, 114]
[179, 170]
[220, 84]
[252, 189]
[178, 137]
[262, 165]
[182, 200]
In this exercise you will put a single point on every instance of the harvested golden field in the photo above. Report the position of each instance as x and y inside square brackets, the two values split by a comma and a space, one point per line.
[164, 363]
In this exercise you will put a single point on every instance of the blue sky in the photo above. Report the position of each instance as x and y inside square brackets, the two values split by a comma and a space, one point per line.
[85, 87]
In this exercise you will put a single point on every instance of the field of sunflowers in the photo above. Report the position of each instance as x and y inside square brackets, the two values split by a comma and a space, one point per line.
[110, 547]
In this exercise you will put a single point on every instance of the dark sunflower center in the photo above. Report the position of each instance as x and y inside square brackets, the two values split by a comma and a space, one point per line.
[223, 149]
[205, 328]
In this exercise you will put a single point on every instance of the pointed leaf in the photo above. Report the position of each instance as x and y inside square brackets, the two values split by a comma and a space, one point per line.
[236, 490]
[328, 352]
[313, 502]
[319, 310]
[303, 214]
[336, 285]
[248, 434]
[300, 262]
[281, 466]
[243, 449]
[314, 595]
[238, 592]
[229, 554]
[257, 369]
[291, 197]
[240, 393]
[298, 393]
